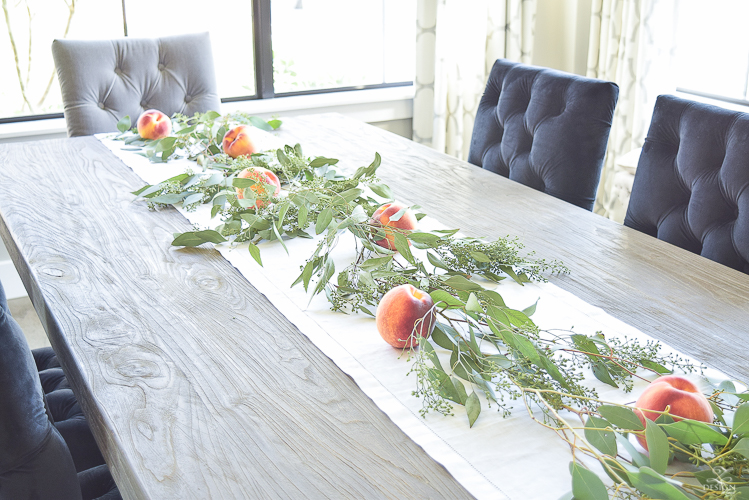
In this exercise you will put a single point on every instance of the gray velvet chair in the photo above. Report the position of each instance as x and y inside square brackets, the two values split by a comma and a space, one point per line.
[103, 80]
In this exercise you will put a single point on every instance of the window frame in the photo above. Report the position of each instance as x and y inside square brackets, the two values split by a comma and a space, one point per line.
[263, 66]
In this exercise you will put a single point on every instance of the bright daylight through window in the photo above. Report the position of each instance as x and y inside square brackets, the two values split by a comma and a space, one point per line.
[317, 44]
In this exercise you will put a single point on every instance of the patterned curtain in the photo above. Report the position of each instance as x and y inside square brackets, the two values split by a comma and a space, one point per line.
[631, 44]
[457, 42]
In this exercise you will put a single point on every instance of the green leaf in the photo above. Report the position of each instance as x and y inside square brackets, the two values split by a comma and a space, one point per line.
[460, 389]
[615, 467]
[741, 420]
[528, 311]
[274, 124]
[124, 124]
[599, 434]
[445, 387]
[195, 238]
[480, 256]
[427, 239]
[624, 418]
[302, 217]
[169, 199]
[349, 195]
[436, 261]
[324, 220]
[656, 486]
[193, 198]
[657, 446]
[429, 350]
[441, 338]
[260, 123]
[444, 297]
[742, 447]
[278, 235]
[586, 485]
[255, 252]
[473, 304]
[382, 190]
[638, 458]
[602, 373]
[321, 161]
[401, 244]
[307, 274]
[658, 368]
[327, 274]
[462, 284]
[693, 432]
[473, 408]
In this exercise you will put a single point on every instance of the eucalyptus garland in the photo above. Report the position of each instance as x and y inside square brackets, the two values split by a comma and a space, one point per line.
[493, 349]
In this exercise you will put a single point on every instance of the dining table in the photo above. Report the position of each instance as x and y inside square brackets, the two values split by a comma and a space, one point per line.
[196, 386]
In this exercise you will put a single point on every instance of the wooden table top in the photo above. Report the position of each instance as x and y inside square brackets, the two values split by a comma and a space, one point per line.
[196, 386]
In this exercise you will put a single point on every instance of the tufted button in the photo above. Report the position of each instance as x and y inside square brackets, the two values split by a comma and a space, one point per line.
[101, 105]
[188, 98]
[161, 67]
[118, 71]
[143, 104]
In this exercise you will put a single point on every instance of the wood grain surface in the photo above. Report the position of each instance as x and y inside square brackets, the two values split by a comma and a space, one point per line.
[195, 386]
[691, 303]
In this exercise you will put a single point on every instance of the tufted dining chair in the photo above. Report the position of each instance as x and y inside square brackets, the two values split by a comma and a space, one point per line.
[35, 460]
[691, 186]
[544, 128]
[104, 80]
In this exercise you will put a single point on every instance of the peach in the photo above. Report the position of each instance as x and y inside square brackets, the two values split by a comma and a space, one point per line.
[402, 309]
[261, 175]
[238, 141]
[153, 124]
[381, 217]
[682, 396]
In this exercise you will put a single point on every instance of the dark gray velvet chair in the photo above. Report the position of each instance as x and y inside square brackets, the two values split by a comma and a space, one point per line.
[35, 461]
[544, 128]
[103, 80]
[691, 187]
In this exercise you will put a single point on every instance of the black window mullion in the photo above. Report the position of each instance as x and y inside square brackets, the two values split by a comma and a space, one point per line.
[263, 49]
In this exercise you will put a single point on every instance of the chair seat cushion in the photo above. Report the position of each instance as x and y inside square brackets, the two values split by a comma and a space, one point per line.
[97, 484]
[71, 422]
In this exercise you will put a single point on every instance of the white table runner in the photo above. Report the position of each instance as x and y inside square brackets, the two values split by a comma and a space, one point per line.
[499, 458]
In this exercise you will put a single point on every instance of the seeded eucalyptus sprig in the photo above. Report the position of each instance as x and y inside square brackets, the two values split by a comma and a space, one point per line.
[196, 137]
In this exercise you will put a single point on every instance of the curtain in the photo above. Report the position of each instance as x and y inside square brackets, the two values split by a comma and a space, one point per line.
[457, 42]
[631, 44]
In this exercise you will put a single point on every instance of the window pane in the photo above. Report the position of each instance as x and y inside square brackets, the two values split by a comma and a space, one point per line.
[341, 43]
[30, 87]
[229, 23]
[712, 47]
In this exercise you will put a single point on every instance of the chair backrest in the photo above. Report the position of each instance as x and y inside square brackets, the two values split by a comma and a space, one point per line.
[104, 80]
[34, 460]
[544, 128]
[691, 186]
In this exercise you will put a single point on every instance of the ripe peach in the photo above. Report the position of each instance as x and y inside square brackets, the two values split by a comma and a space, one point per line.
[238, 141]
[153, 124]
[398, 313]
[261, 175]
[381, 217]
[683, 397]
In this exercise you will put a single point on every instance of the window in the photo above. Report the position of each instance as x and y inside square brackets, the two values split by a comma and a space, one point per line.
[712, 49]
[315, 46]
